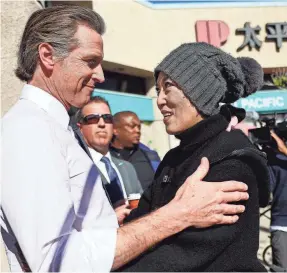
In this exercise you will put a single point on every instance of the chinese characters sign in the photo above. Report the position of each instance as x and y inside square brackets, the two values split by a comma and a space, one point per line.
[216, 33]
[277, 32]
[250, 36]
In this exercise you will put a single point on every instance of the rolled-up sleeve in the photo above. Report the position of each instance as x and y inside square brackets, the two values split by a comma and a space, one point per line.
[57, 226]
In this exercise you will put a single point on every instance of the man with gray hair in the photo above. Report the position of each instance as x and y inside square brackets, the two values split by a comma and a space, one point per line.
[55, 212]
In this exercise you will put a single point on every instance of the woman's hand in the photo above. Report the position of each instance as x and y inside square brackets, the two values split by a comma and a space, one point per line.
[122, 212]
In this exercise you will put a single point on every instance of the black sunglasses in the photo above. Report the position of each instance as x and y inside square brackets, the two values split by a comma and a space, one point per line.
[95, 118]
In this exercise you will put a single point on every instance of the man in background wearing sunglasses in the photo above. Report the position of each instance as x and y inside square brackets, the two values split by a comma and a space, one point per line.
[119, 176]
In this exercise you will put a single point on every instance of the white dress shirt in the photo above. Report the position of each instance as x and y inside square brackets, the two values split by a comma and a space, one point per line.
[274, 228]
[52, 194]
[101, 165]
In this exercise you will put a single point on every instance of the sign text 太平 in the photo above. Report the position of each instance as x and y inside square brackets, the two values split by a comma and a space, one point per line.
[216, 32]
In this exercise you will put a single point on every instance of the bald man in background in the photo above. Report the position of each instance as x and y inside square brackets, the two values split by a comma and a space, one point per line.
[126, 145]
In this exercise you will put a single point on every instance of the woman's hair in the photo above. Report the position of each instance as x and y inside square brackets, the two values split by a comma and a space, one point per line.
[56, 26]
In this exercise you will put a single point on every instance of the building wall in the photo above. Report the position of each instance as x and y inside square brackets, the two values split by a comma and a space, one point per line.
[140, 37]
[14, 15]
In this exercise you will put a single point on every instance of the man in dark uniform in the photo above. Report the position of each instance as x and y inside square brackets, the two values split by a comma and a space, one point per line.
[126, 145]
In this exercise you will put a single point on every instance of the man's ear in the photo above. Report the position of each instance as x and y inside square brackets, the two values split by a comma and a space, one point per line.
[46, 56]
[115, 130]
[80, 126]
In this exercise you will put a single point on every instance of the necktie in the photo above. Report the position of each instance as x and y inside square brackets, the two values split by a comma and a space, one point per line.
[114, 187]
[81, 141]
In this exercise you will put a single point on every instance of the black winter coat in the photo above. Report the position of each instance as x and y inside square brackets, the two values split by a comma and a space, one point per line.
[218, 248]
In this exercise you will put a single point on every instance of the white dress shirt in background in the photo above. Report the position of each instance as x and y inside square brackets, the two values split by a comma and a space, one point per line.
[101, 165]
[52, 194]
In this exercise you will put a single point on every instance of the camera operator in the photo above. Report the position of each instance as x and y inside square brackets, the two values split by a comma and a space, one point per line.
[277, 161]
[282, 148]
[271, 139]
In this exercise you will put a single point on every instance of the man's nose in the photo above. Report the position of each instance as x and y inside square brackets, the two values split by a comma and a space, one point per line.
[98, 74]
[101, 122]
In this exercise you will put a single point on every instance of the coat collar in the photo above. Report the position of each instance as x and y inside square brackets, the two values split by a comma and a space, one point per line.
[203, 131]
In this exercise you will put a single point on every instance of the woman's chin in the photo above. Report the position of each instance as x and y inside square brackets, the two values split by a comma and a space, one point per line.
[170, 130]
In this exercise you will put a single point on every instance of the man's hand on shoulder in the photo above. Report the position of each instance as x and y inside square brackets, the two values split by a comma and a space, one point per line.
[197, 203]
[203, 204]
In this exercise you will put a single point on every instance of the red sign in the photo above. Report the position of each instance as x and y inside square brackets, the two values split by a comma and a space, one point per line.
[213, 32]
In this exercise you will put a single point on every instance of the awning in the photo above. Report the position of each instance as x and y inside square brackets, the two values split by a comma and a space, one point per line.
[118, 101]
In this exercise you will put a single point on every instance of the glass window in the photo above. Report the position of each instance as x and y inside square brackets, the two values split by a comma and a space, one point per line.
[123, 83]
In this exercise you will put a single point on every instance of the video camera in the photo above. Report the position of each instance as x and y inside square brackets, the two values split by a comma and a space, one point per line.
[261, 136]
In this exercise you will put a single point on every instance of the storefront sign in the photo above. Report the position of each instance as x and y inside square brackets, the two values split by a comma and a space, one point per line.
[265, 101]
[216, 32]
[276, 32]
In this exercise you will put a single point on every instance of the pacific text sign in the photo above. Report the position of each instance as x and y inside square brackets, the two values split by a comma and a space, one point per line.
[265, 101]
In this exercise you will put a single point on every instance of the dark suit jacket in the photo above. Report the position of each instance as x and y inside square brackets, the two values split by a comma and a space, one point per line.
[126, 169]
[129, 176]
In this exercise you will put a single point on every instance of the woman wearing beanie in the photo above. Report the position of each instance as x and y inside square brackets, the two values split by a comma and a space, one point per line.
[192, 82]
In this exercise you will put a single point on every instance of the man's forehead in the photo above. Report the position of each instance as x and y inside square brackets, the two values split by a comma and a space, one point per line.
[92, 49]
[90, 41]
[130, 118]
[93, 54]
[96, 108]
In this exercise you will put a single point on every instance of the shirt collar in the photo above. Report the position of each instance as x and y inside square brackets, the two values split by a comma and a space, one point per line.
[46, 102]
[98, 156]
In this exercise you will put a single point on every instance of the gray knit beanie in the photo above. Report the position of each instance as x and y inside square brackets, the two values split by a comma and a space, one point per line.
[209, 76]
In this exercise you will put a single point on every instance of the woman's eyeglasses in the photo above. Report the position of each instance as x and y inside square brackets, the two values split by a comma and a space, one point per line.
[95, 118]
